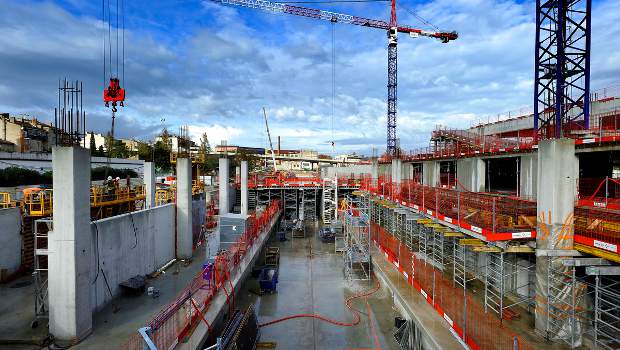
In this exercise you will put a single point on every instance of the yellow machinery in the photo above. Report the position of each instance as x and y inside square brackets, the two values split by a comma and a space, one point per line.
[5, 200]
[163, 196]
[38, 201]
[106, 202]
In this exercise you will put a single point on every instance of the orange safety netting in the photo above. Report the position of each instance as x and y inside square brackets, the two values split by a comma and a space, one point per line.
[465, 313]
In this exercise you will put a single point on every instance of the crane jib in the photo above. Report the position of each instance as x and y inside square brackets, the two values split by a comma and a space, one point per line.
[332, 17]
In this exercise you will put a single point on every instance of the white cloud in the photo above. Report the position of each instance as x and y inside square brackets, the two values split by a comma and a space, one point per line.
[216, 133]
[216, 74]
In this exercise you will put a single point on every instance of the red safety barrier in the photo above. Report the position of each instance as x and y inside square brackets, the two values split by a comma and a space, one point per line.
[463, 312]
[177, 319]
[496, 217]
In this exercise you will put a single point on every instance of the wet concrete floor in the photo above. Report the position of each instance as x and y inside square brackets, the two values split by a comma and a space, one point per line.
[312, 280]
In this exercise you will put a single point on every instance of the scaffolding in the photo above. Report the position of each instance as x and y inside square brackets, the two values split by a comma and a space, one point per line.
[290, 204]
[568, 302]
[357, 259]
[329, 203]
[307, 207]
[508, 282]
[606, 309]
[41, 308]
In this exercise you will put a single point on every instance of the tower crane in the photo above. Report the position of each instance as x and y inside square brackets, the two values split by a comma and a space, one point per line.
[391, 27]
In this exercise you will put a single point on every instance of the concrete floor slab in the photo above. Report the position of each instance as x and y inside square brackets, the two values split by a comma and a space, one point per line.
[311, 280]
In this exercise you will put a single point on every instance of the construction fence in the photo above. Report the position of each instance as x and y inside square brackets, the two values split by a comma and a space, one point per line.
[447, 288]
[496, 217]
[175, 322]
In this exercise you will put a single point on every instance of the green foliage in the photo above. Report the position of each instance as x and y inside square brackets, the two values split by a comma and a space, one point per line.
[252, 159]
[100, 173]
[15, 176]
[161, 157]
[93, 145]
[210, 163]
[145, 152]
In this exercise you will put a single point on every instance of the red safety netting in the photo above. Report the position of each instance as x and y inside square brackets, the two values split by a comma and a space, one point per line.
[497, 217]
[178, 318]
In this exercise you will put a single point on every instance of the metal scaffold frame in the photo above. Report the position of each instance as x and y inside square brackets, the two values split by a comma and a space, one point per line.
[329, 203]
[606, 312]
[307, 207]
[502, 281]
[357, 258]
[569, 316]
[40, 274]
[252, 199]
[290, 204]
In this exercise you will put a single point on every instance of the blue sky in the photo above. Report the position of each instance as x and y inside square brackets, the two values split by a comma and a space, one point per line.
[214, 67]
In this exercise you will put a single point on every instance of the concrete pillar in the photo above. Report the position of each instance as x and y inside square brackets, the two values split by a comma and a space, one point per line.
[374, 171]
[244, 187]
[558, 169]
[470, 173]
[430, 172]
[528, 176]
[149, 184]
[71, 249]
[407, 171]
[223, 175]
[397, 170]
[184, 208]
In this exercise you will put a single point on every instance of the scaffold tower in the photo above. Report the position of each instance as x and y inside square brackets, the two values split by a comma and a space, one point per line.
[357, 259]
[329, 202]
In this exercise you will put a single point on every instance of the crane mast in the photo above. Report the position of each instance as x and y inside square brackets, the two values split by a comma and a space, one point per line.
[392, 29]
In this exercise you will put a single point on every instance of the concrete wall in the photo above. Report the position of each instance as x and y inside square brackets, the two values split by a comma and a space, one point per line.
[124, 254]
[349, 170]
[199, 211]
[43, 161]
[470, 173]
[528, 176]
[10, 239]
[430, 173]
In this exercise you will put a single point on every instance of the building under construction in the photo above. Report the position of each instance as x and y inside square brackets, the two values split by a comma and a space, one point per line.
[504, 235]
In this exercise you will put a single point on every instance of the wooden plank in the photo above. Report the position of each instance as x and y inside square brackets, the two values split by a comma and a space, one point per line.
[471, 241]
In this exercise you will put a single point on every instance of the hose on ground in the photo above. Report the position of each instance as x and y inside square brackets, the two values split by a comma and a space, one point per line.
[348, 301]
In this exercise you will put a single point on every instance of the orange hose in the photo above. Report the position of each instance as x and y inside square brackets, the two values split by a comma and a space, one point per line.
[355, 312]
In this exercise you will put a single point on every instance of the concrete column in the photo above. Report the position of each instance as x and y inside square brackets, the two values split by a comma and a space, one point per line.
[223, 175]
[528, 176]
[407, 171]
[149, 184]
[397, 170]
[71, 250]
[558, 169]
[470, 172]
[430, 173]
[244, 187]
[374, 171]
[184, 208]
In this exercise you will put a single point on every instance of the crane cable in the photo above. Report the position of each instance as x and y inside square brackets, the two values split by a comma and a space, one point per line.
[333, 142]
[109, 71]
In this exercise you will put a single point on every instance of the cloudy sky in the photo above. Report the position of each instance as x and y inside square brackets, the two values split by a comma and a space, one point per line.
[214, 67]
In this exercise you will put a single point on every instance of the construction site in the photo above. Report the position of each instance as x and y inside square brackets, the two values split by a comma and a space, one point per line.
[503, 235]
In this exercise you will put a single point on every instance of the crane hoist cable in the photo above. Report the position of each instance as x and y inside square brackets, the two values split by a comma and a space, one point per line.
[333, 142]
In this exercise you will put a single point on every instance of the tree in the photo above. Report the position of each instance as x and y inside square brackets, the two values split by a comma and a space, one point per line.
[165, 139]
[161, 157]
[251, 158]
[93, 146]
[100, 151]
[207, 163]
[145, 151]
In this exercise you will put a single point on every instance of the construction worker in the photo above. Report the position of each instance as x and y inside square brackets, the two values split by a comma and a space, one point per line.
[109, 187]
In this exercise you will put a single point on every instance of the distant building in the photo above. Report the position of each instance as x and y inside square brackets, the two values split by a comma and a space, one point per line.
[99, 140]
[300, 159]
[25, 134]
[237, 149]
